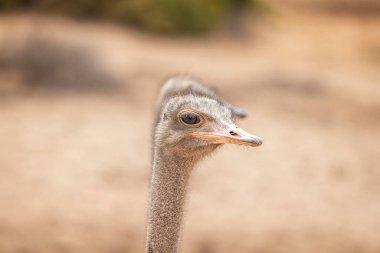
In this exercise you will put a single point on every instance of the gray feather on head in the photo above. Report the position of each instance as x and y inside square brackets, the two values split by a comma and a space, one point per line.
[184, 85]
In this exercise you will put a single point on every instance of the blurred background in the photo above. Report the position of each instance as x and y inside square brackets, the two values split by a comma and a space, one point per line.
[78, 81]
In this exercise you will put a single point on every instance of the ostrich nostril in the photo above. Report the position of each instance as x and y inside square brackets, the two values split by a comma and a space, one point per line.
[233, 133]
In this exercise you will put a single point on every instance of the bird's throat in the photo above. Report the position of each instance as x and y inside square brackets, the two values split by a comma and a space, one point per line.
[170, 177]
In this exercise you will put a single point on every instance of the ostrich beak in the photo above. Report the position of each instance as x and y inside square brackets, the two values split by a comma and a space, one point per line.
[233, 135]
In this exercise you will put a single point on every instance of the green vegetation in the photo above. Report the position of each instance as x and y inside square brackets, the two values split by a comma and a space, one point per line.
[160, 16]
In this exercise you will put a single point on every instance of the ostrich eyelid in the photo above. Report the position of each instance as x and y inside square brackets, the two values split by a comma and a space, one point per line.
[201, 118]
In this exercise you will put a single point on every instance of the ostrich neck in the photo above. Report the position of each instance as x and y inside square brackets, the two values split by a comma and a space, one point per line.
[170, 176]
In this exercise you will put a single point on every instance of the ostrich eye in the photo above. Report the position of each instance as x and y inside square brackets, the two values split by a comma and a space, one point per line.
[190, 118]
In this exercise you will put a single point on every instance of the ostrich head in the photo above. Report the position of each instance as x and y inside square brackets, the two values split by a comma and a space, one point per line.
[193, 120]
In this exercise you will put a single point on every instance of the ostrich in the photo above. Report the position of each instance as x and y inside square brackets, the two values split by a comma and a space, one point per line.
[192, 121]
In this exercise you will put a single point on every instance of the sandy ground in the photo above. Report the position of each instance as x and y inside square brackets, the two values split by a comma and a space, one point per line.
[74, 166]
